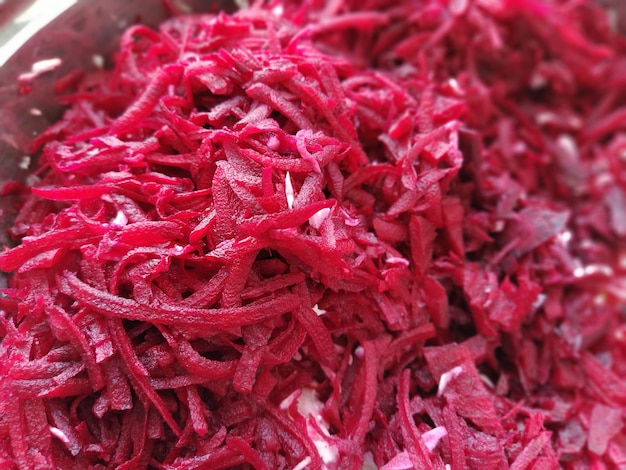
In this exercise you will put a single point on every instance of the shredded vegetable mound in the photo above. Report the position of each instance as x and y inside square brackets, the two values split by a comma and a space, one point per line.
[328, 235]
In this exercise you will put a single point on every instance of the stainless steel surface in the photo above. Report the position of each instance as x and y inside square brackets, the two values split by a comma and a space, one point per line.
[73, 31]
[83, 29]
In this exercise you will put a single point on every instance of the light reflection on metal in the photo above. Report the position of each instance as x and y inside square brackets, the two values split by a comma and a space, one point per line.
[34, 18]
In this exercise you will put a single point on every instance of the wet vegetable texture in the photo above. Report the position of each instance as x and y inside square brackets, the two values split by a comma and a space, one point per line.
[341, 235]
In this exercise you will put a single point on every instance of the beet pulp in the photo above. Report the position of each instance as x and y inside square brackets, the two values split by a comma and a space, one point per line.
[340, 235]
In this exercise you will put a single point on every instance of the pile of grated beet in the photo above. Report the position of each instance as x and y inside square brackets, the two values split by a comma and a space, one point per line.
[329, 235]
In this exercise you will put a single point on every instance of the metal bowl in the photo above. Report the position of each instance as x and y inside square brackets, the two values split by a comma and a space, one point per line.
[76, 35]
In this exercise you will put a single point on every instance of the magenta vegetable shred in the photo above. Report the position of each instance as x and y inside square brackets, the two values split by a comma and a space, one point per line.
[328, 235]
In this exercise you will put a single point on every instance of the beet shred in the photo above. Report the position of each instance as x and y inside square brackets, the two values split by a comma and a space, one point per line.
[342, 235]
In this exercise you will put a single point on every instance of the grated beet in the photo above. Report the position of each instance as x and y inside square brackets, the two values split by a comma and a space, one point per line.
[328, 235]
